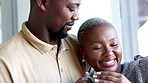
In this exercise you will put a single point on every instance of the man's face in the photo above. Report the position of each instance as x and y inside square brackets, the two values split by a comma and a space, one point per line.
[61, 15]
[102, 49]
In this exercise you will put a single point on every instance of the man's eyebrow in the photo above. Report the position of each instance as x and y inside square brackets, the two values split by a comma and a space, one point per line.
[75, 3]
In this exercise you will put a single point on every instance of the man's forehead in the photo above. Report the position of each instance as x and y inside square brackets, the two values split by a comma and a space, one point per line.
[73, 1]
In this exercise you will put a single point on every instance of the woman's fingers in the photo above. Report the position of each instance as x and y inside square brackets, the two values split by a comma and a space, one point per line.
[84, 79]
[107, 76]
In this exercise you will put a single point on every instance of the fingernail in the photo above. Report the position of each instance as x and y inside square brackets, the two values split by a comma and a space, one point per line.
[94, 76]
[97, 73]
[87, 72]
[96, 80]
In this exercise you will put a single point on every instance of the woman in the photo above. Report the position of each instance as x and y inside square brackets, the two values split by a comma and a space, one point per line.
[100, 48]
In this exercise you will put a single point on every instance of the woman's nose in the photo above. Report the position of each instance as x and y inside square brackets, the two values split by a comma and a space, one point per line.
[108, 51]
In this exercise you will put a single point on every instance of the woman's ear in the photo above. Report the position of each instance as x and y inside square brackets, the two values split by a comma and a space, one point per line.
[82, 52]
[42, 4]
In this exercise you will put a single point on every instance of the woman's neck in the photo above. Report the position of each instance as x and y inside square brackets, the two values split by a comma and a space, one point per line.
[119, 69]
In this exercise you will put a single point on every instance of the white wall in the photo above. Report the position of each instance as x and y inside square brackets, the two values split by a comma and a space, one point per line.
[23, 8]
[0, 25]
[129, 28]
[6, 19]
[93, 8]
[143, 39]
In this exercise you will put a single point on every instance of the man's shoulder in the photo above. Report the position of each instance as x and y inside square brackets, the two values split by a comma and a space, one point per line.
[71, 40]
[71, 37]
[10, 45]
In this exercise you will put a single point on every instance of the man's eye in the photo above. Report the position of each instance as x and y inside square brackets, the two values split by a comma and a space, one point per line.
[114, 45]
[71, 9]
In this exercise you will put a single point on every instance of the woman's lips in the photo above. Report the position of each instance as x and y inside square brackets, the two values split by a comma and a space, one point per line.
[108, 63]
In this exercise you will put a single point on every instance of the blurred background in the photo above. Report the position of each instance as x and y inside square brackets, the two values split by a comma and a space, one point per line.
[128, 16]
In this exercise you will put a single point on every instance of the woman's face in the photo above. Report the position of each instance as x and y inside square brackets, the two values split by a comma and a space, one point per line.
[101, 48]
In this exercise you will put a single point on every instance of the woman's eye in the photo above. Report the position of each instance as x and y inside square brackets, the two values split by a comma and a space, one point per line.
[97, 48]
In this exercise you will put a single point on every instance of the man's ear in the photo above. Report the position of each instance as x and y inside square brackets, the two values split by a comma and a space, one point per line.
[42, 4]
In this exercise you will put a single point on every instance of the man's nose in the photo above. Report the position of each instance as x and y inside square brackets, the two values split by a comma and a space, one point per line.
[75, 15]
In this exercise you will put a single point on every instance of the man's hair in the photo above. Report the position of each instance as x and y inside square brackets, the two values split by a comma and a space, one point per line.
[90, 23]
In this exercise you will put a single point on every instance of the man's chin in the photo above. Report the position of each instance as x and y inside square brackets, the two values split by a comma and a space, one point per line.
[63, 35]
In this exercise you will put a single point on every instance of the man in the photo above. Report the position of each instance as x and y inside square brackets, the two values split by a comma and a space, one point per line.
[43, 52]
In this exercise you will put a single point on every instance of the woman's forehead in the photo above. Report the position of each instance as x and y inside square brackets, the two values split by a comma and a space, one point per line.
[100, 32]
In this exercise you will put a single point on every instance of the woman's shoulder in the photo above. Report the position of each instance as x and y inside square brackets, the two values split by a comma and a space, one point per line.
[139, 63]
[137, 70]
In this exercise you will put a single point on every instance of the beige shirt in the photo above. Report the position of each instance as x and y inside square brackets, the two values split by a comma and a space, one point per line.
[26, 59]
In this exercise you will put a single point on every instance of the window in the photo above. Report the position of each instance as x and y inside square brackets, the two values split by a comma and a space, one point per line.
[8, 19]
[0, 25]
[130, 26]
[96, 8]
[143, 27]
[143, 12]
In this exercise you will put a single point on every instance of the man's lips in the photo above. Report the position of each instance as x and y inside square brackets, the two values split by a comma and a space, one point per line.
[71, 23]
[67, 28]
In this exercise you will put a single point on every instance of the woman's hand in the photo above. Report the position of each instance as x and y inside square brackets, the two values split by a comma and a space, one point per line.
[84, 79]
[110, 77]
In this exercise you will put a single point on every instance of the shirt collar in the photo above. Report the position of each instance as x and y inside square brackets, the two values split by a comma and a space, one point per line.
[41, 46]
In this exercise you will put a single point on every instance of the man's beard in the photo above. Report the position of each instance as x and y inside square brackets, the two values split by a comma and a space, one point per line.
[61, 34]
